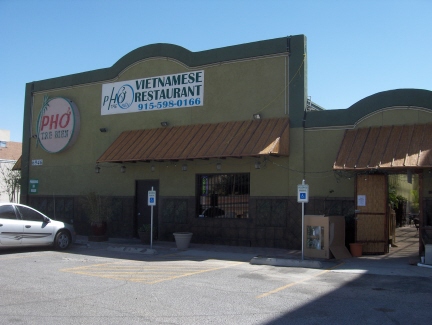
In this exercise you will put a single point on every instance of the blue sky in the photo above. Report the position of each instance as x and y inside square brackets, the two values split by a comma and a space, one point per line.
[355, 48]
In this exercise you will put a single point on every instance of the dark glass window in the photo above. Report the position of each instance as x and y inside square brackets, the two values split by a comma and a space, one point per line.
[30, 214]
[7, 212]
[223, 195]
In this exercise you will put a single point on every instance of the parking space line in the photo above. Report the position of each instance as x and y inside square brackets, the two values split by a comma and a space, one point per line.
[145, 273]
[296, 282]
[198, 272]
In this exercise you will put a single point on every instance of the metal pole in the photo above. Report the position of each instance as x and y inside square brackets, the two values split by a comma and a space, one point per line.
[151, 226]
[302, 239]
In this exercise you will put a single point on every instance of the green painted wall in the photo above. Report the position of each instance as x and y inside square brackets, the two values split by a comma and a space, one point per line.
[234, 89]
[397, 116]
[323, 145]
[321, 151]
[269, 77]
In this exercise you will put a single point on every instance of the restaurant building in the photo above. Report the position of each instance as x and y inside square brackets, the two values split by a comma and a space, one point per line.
[224, 137]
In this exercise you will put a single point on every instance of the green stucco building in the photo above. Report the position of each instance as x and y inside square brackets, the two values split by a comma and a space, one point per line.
[224, 136]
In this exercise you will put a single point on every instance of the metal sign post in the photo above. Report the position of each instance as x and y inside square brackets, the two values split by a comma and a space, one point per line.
[151, 202]
[302, 197]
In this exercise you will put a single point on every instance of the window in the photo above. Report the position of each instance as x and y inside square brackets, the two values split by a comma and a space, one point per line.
[223, 195]
[30, 214]
[7, 212]
[2, 144]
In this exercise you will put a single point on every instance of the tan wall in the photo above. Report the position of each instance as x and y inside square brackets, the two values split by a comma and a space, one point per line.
[233, 91]
[321, 151]
[295, 163]
[272, 179]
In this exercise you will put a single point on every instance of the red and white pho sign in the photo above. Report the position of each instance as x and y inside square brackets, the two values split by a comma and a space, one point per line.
[58, 124]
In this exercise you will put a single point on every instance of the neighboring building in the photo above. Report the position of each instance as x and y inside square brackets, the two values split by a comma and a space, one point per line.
[224, 136]
[10, 152]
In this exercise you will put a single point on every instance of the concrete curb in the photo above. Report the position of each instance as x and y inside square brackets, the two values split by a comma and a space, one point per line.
[286, 262]
[424, 265]
[133, 250]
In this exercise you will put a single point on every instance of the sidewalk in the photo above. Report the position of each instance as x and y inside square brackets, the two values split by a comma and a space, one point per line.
[401, 260]
[134, 245]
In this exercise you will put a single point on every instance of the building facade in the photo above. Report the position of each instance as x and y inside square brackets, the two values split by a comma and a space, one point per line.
[223, 136]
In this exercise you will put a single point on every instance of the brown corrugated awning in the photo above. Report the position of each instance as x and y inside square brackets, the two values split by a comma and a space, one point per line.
[204, 141]
[17, 165]
[402, 146]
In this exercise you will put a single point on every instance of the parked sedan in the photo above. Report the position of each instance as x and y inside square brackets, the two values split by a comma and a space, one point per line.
[21, 225]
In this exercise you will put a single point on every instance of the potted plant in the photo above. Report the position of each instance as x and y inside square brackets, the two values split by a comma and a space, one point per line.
[415, 206]
[98, 212]
[144, 233]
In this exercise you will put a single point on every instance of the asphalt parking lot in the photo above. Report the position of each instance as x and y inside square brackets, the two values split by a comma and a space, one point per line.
[113, 282]
[150, 272]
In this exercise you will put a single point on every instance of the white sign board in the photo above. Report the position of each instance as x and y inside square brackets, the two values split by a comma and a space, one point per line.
[151, 198]
[361, 200]
[58, 124]
[302, 193]
[153, 93]
[37, 162]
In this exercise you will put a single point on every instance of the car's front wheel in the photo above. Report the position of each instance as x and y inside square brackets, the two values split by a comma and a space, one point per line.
[62, 240]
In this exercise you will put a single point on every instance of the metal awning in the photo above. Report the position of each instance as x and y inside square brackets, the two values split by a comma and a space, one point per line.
[222, 140]
[17, 165]
[385, 147]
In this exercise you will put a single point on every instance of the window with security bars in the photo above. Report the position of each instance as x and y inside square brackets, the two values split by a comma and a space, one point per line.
[223, 195]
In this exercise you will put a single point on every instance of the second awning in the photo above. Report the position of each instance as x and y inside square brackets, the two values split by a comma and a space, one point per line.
[386, 147]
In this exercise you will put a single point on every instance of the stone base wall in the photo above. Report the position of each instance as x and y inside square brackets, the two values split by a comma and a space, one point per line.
[273, 221]
[72, 210]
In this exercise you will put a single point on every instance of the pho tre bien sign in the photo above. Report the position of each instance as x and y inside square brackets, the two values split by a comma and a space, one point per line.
[58, 124]
[153, 93]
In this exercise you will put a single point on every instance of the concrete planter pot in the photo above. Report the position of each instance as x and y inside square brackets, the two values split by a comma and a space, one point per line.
[182, 239]
[98, 231]
[356, 249]
[98, 228]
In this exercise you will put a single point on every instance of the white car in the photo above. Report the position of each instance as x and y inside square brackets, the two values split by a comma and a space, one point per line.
[21, 225]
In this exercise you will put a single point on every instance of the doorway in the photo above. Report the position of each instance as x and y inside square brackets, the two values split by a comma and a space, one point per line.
[371, 222]
[404, 197]
[142, 209]
[383, 203]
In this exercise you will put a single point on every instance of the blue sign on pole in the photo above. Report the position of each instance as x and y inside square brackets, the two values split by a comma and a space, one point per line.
[303, 193]
[151, 198]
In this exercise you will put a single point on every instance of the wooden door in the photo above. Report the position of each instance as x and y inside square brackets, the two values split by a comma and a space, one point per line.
[371, 227]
